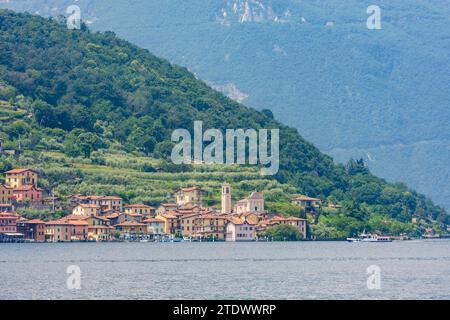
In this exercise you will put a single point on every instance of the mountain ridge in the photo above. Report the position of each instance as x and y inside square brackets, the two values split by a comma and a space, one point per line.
[88, 92]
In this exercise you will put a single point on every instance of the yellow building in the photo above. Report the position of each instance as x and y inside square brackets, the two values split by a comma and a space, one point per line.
[6, 194]
[211, 226]
[172, 223]
[140, 209]
[21, 177]
[85, 209]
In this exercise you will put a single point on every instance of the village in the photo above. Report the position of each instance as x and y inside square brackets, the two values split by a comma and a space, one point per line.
[107, 218]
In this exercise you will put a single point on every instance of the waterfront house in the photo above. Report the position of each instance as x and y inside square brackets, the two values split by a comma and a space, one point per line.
[131, 229]
[188, 223]
[21, 177]
[8, 223]
[211, 226]
[8, 228]
[172, 223]
[66, 230]
[32, 229]
[155, 227]
[99, 228]
[57, 231]
[240, 230]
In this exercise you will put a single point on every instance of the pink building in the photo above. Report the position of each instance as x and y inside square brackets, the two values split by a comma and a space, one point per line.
[240, 230]
[28, 193]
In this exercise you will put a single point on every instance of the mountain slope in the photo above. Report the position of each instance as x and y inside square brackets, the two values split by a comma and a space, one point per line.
[373, 90]
[78, 92]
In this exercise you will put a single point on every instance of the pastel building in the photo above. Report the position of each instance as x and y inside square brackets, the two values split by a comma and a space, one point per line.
[155, 227]
[32, 229]
[28, 193]
[140, 209]
[86, 209]
[189, 196]
[254, 203]
[240, 230]
[20, 177]
[6, 194]
[307, 203]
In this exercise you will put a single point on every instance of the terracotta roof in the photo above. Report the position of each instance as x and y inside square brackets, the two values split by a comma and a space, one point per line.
[112, 215]
[213, 216]
[138, 206]
[100, 227]
[169, 205]
[26, 188]
[79, 223]
[88, 205]
[132, 214]
[190, 189]
[278, 218]
[235, 220]
[152, 220]
[35, 221]
[131, 224]
[305, 198]
[19, 171]
[58, 222]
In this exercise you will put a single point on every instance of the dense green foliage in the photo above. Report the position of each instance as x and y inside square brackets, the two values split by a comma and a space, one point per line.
[283, 232]
[353, 92]
[80, 93]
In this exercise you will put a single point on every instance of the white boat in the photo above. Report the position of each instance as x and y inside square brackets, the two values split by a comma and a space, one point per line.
[369, 237]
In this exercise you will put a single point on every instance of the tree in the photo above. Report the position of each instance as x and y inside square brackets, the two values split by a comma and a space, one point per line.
[283, 232]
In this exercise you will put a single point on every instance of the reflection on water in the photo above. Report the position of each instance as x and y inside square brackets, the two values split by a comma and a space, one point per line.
[304, 270]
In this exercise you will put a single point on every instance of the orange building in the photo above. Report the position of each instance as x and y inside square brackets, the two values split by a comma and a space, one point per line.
[6, 194]
[32, 229]
[65, 231]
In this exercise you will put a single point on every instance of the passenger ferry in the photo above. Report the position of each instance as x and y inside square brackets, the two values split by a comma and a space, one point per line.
[368, 237]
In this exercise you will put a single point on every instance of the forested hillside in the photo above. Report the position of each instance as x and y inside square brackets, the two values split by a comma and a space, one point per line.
[79, 96]
[380, 94]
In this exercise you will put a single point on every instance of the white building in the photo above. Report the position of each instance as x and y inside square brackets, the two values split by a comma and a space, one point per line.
[240, 230]
[254, 203]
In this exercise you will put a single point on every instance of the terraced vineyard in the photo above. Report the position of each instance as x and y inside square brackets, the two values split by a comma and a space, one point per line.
[118, 173]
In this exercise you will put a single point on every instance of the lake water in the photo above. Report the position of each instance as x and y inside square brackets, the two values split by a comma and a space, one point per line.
[296, 270]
